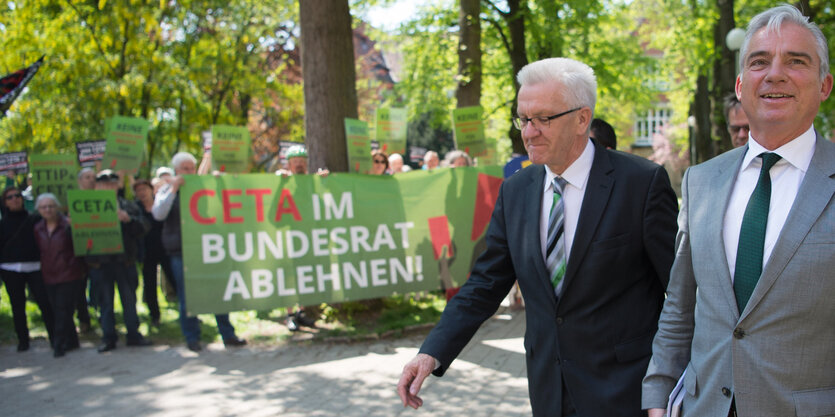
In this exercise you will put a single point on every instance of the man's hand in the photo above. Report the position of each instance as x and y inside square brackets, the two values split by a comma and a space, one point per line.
[656, 412]
[412, 378]
[124, 217]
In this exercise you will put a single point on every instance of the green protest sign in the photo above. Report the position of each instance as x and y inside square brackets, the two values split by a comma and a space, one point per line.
[54, 174]
[95, 222]
[469, 130]
[359, 146]
[263, 241]
[230, 148]
[390, 128]
[125, 147]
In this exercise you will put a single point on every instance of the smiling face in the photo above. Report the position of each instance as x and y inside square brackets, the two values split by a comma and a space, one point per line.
[780, 86]
[561, 142]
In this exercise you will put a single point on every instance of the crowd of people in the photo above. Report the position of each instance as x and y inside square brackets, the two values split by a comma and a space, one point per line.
[36, 253]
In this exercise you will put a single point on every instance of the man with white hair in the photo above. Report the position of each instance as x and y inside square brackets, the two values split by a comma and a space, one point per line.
[166, 209]
[749, 317]
[396, 164]
[588, 233]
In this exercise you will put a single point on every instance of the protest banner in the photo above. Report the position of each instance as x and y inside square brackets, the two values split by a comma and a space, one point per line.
[125, 147]
[230, 148]
[468, 130]
[54, 174]
[261, 241]
[390, 128]
[89, 152]
[359, 146]
[96, 228]
[15, 162]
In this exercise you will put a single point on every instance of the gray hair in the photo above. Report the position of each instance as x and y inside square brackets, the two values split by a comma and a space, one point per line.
[394, 157]
[428, 155]
[84, 170]
[773, 19]
[46, 196]
[579, 85]
[453, 156]
[181, 157]
[730, 102]
[164, 171]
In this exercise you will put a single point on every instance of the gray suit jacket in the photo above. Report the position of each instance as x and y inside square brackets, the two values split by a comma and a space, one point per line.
[776, 358]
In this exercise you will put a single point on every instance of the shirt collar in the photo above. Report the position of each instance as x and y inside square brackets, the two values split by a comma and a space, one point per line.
[577, 173]
[798, 152]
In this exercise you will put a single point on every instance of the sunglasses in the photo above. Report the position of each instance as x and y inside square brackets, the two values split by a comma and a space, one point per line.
[380, 161]
[11, 196]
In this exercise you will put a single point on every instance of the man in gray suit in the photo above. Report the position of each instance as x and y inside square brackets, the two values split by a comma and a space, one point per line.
[749, 311]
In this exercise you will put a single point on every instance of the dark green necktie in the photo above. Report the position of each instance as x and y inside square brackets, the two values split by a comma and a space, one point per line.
[749, 253]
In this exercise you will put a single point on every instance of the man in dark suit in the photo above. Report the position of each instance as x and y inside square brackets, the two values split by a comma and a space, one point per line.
[591, 315]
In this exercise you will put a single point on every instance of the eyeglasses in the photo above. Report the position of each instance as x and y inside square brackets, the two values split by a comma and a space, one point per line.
[734, 130]
[380, 161]
[539, 122]
[11, 196]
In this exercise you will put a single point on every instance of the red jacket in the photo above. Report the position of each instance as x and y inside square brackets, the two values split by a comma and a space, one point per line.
[58, 261]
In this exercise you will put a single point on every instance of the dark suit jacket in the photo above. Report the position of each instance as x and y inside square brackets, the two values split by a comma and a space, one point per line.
[597, 337]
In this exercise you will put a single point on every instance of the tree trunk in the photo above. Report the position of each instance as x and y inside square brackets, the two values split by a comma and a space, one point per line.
[329, 76]
[724, 75]
[701, 131]
[469, 54]
[518, 58]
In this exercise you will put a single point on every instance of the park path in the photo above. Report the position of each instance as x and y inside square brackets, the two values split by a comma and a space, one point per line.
[320, 379]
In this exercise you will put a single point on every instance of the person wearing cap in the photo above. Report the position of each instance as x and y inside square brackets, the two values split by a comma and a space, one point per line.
[166, 208]
[111, 270]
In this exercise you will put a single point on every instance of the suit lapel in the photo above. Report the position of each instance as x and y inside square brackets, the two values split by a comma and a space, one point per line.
[814, 194]
[534, 193]
[595, 200]
[722, 185]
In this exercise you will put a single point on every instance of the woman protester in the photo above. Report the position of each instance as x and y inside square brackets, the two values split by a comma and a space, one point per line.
[380, 163]
[63, 272]
[20, 265]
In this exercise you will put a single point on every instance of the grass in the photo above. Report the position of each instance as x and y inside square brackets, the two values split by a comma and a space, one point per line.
[354, 319]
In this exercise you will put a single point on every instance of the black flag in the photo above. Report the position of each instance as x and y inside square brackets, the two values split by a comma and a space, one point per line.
[12, 84]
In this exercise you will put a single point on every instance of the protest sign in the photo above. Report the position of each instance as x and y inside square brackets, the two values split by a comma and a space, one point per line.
[54, 174]
[469, 130]
[263, 241]
[390, 128]
[125, 147]
[359, 146]
[15, 162]
[89, 152]
[230, 148]
[95, 222]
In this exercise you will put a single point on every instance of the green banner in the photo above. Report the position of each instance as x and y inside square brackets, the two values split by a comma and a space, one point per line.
[469, 130]
[125, 147]
[261, 241]
[230, 148]
[390, 127]
[95, 222]
[359, 146]
[54, 174]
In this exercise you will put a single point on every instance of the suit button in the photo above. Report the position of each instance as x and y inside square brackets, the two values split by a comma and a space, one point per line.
[739, 333]
[726, 392]
[559, 320]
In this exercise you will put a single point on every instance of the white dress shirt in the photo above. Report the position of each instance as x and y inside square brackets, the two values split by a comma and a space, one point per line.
[786, 176]
[576, 177]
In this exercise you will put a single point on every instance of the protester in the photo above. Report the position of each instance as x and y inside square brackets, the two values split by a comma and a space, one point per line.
[430, 160]
[166, 208]
[379, 163]
[737, 120]
[603, 133]
[111, 270]
[63, 273]
[457, 158]
[396, 164]
[153, 254]
[86, 178]
[591, 316]
[749, 311]
[20, 265]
